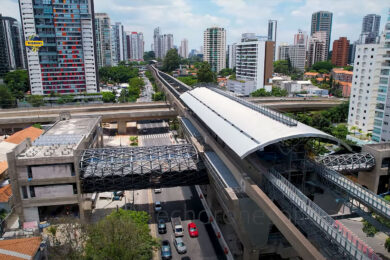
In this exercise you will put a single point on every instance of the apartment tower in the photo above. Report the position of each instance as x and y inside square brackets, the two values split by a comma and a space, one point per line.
[66, 62]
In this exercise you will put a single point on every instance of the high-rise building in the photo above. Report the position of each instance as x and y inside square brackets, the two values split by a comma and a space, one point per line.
[300, 38]
[157, 43]
[254, 64]
[364, 88]
[11, 45]
[316, 48]
[103, 39]
[66, 62]
[119, 42]
[214, 48]
[167, 43]
[381, 132]
[136, 46]
[184, 48]
[351, 52]
[296, 54]
[114, 48]
[370, 28]
[232, 55]
[340, 52]
[272, 30]
[322, 21]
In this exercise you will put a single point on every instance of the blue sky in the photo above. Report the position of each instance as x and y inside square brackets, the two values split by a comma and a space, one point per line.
[189, 18]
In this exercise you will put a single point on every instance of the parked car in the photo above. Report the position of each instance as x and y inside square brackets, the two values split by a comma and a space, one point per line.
[157, 206]
[192, 229]
[162, 227]
[180, 246]
[177, 227]
[166, 252]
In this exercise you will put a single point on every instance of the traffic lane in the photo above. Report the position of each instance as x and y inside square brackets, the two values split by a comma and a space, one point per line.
[184, 202]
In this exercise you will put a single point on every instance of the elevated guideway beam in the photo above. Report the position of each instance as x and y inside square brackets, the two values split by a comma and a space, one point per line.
[336, 233]
[354, 190]
[350, 162]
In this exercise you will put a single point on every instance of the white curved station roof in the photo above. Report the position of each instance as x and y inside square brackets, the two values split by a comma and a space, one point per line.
[242, 128]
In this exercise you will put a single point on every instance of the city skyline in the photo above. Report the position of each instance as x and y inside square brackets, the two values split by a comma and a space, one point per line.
[193, 17]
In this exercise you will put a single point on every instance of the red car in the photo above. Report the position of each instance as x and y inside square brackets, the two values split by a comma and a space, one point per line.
[192, 229]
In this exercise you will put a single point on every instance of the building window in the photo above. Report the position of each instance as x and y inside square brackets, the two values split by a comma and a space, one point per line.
[372, 49]
[385, 162]
[32, 192]
[29, 172]
[24, 192]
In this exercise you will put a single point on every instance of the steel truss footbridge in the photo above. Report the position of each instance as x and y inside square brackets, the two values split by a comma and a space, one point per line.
[113, 169]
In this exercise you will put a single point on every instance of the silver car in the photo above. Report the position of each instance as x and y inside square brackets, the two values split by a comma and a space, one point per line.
[180, 246]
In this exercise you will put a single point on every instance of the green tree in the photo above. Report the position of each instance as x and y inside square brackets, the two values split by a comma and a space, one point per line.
[281, 66]
[136, 82]
[123, 96]
[261, 93]
[149, 55]
[17, 81]
[108, 97]
[340, 131]
[349, 68]
[171, 61]
[117, 74]
[326, 66]
[205, 74]
[121, 235]
[225, 72]
[189, 80]
[35, 100]
[158, 96]
[7, 100]
[387, 244]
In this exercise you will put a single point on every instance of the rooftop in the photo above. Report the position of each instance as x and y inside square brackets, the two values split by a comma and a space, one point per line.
[29, 132]
[5, 193]
[61, 138]
[244, 126]
[21, 248]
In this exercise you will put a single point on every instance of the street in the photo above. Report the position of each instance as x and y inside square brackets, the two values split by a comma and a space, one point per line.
[147, 91]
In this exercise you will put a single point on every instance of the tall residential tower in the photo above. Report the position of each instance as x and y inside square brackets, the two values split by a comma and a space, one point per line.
[103, 39]
[322, 21]
[214, 48]
[66, 61]
[370, 28]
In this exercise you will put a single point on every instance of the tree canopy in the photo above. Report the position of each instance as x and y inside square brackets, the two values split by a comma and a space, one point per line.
[171, 61]
[108, 97]
[149, 55]
[117, 74]
[18, 83]
[189, 80]
[205, 73]
[276, 92]
[322, 67]
[225, 72]
[121, 235]
[6, 98]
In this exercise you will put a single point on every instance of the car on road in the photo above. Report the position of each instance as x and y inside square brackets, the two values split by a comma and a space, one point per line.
[192, 229]
[157, 190]
[162, 227]
[185, 258]
[157, 206]
[166, 252]
[180, 246]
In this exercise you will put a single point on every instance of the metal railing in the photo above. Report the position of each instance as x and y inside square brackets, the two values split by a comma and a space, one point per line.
[340, 235]
[365, 196]
[262, 109]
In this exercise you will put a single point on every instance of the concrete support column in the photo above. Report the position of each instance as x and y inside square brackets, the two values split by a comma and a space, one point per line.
[122, 127]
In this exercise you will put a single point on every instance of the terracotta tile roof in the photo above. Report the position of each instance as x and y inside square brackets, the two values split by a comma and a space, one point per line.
[344, 83]
[342, 71]
[26, 246]
[311, 73]
[5, 193]
[320, 79]
[21, 135]
[3, 167]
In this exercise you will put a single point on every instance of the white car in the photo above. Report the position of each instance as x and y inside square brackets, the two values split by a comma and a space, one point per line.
[157, 190]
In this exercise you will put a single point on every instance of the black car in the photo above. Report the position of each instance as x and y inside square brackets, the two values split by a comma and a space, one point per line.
[186, 258]
[162, 227]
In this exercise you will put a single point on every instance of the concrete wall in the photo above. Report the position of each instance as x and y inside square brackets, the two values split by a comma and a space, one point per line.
[31, 214]
[51, 171]
[54, 191]
[371, 179]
